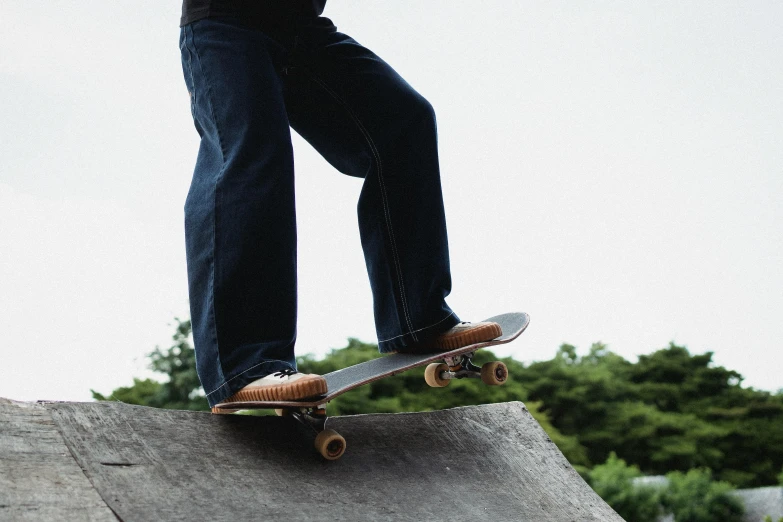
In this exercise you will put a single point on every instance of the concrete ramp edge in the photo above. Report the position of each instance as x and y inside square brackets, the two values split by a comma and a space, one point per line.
[489, 462]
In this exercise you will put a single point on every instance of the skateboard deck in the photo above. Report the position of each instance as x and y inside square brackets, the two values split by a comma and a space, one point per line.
[347, 379]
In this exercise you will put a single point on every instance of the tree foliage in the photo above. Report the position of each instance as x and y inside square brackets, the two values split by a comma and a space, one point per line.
[689, 497]
[695, 497]
[614, 482]
[669, 411]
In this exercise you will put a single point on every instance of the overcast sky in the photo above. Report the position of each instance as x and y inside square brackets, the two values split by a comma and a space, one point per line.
[622, 160]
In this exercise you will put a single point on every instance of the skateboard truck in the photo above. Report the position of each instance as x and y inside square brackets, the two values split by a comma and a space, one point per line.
[461, 366]
[329, 443]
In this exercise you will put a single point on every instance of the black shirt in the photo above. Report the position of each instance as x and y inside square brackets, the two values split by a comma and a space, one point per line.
[193, 10]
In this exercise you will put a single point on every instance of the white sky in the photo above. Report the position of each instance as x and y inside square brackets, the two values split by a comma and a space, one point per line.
[622, 160]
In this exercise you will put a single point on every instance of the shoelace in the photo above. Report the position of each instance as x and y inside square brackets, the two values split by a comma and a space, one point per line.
[285, 373]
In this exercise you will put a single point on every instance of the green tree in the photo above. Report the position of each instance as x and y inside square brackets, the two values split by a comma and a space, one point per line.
[655, 440]
[670, 411]
[694, 497]
[142, 392]
[666, 377]
[614, 482]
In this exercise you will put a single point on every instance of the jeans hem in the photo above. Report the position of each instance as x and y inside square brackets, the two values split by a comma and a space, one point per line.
[408, 341]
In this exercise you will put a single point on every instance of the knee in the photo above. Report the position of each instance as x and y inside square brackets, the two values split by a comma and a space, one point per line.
[198, 201]
[421, 111]
[411, 126]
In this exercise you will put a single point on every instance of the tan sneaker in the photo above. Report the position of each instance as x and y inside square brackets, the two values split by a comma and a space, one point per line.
[465, 334]
[286, 385]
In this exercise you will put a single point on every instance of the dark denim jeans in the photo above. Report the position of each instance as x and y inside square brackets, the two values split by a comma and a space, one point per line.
[249, 83]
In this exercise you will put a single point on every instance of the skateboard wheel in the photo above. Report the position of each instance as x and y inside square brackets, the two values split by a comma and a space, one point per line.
[494, 373]
[330, 444]
[432, 374]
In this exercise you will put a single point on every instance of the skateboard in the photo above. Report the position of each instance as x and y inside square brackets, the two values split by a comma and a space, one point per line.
[456, 364]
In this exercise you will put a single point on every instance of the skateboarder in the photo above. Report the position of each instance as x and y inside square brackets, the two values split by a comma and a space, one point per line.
[254, 69]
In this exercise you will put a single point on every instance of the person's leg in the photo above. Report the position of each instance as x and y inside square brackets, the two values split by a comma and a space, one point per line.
[368, 122]
[239, 212]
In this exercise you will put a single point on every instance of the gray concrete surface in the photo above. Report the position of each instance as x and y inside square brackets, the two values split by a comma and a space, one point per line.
[39, 479]
[491, 462]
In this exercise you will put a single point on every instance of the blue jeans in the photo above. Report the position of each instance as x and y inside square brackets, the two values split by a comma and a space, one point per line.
[249, 83]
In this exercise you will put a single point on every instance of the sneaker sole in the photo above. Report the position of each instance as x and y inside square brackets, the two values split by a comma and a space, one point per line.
[221, 411]
[479, 334]
[298, 390]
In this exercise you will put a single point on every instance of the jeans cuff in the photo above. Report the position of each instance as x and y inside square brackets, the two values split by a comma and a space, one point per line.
[407, 343]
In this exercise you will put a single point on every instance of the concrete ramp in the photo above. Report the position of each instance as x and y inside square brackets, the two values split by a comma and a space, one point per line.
[491, 462]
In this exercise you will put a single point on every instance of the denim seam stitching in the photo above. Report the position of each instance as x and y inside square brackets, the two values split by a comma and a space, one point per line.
[244, 372]
[419, 330]
[217, 180]
[377, 155]
[192, 81]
